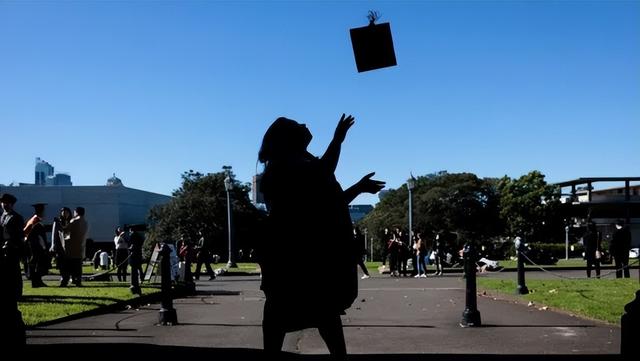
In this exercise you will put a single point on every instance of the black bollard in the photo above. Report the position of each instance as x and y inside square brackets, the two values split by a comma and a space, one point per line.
[521, 289]
[630, 328]
[135, 281]
[167, 314]
[471, 315]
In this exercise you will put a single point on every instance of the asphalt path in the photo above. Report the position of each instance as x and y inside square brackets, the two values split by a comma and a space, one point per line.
[395, 317]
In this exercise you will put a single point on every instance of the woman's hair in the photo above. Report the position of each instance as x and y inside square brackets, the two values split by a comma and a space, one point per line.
[284, 137]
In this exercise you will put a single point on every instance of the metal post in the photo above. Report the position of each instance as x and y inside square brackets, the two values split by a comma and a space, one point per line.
[231, 263]
[471, 315]
[521, 289]
[365, 244]
[410, 218]
[566, 242]
[167, 314]
[371, 249]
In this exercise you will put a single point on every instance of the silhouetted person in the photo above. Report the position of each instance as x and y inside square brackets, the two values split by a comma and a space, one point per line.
[298, 296]
[136, 242]
[359, 239]
[620, 244]
[36, 239]
[12, 242]
[591, 242]
[203, 255]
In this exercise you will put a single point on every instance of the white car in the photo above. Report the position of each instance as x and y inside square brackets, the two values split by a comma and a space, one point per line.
[634, 252]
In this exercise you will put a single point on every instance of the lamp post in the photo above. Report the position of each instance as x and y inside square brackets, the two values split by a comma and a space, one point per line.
[228, 186]
[411, 183]
[566, 242]
[365, 244]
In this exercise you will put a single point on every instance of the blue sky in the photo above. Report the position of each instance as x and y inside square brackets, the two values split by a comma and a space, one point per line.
[150, 89]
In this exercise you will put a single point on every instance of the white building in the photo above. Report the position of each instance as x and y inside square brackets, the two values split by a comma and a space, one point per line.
[107, 207]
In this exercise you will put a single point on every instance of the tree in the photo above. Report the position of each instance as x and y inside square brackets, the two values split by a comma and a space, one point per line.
[528, 206]
[461, 203]
[200, 204]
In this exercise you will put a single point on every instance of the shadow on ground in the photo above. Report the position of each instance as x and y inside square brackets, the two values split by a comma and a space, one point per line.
[91, 351]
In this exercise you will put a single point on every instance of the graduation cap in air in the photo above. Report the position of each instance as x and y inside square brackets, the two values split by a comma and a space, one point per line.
[373, 45]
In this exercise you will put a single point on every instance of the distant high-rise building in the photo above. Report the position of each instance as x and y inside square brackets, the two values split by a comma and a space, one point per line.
[45, 175]
[359, 211]
[43, 170]
[59, 179]
[258, 197]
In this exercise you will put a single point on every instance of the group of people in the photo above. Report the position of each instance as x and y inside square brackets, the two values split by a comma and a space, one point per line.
[127, 252]
[619, 246]
[29, 242]
[422, 250]
[200, 253]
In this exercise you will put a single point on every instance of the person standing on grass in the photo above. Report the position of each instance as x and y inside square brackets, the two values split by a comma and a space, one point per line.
[74, 246]
[122, 253]
[592, 252]
[136, 242]
[36, 241]
[620, 245]
[299, 296]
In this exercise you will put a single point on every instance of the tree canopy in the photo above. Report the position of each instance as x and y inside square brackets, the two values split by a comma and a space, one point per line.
[200, 204]
[476, 209]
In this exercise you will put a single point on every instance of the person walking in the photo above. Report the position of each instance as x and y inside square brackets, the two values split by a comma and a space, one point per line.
[359, 239]
[620, 245]
[318, 296]
[203, 256]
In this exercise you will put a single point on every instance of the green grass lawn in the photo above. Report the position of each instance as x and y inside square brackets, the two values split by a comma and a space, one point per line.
[601, 299]
[50, 303]
[86, 270]
[571, 262]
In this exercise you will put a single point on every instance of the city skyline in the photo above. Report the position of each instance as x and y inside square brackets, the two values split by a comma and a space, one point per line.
[148, 90]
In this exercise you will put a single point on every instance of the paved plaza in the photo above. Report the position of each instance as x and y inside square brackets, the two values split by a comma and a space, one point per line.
[401, 318]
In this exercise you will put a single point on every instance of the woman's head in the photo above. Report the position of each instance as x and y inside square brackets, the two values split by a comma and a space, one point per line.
[284, 138]
[65, 212]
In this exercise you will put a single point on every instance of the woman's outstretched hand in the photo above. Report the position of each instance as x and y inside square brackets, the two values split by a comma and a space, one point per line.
[368, 185]
[343, 127]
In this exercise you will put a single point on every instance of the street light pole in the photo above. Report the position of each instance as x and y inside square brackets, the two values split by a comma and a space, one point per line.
[411, 183]
[365, 244]
[228, 185]
[566, 242]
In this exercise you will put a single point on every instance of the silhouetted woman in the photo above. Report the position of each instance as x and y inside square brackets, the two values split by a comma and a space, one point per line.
[303, 197]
